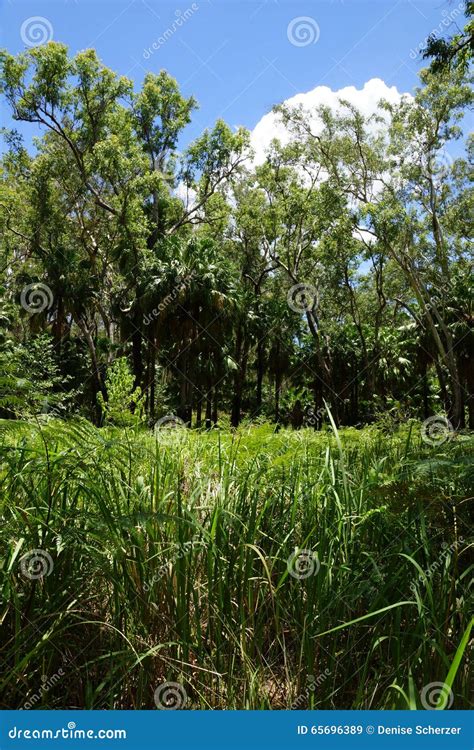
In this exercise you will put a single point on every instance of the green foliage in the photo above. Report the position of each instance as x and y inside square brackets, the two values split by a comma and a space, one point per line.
[31, 383]
[169, 556]
[124, 404]
[456, 51]
[190, 261]
[170, 559]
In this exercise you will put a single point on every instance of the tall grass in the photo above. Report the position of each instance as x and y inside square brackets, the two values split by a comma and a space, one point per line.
[178, 558]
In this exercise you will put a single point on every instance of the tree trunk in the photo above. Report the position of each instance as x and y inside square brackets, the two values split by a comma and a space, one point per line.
[98, 382]
[215, 406]
[445, 348]
[442, 386]
[260, 371]
[318, 396]
[151, 405]
[277, 396]
[137, 354]
[209, 409]
[425, 391]
[242, 348]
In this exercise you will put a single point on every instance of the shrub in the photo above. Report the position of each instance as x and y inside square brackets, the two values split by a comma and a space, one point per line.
[125, 404]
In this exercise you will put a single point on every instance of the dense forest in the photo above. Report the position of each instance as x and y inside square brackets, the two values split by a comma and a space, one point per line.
[140, 280]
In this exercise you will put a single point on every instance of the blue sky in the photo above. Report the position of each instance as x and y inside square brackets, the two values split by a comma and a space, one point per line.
[237, 58]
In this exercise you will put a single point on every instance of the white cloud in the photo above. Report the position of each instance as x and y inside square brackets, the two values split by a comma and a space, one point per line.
[187, 194]
[365, 99]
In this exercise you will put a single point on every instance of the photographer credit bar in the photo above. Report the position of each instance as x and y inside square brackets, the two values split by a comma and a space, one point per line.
[236, 729]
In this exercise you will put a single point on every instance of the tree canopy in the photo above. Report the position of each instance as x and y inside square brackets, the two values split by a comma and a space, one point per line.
[203, 285]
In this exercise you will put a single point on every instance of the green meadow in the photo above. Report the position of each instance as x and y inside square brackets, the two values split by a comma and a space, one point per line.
[251, 569]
